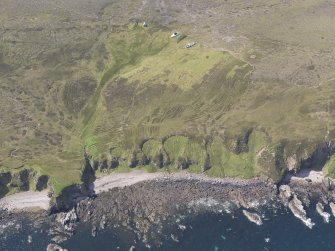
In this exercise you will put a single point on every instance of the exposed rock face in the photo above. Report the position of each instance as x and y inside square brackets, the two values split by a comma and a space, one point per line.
[103, 222]
[104, 165]
[133, 162]
[95, 164]
[114, 163]
[42, 182]
[21, 180]
[291, 200]
[145, 160]
[182, 163]
[159, 160]
[291, 162]
[241, 143]
[285, 193]
[297, 208]
[207, 165]
[67, 220]
[54, 247]
[66, 200]
[332, 207]
[148, 204]
[321, 211]
[5, 179]
[94, 231]
[253, 217]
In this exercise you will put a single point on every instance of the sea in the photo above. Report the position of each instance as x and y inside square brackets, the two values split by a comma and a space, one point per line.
[207, 230]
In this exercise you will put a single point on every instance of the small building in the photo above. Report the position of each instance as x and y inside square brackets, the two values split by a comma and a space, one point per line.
[190, 45]
[175, 34]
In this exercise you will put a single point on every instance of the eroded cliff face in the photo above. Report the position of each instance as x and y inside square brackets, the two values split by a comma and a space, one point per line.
[22, 180]
[250, 155]
[212, 156]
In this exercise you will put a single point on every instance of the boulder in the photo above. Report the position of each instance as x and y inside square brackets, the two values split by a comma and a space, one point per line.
[332, 207]
[321, 211]
[67, 220]
[285, 193]
[103, 222]
[94, 231]
[292, 162]
[297, 208]
[54, 247]
[253, 217]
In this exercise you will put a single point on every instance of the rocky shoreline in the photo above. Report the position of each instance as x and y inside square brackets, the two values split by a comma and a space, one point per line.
[146, 206]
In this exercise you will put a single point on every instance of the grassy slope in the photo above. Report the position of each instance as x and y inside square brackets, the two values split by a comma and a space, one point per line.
[143, 85]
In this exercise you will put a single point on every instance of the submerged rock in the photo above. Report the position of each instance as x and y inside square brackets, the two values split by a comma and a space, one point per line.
[321, 211]
[253, 217]
[54, 247]
[94, 232]
[103, 222]
[297, 208]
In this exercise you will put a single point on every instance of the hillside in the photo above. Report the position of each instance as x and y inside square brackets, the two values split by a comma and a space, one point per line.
[254, 96]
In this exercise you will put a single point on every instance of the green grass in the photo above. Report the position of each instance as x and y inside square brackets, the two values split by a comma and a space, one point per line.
[62, 173]
[115, 90]
[329, 168]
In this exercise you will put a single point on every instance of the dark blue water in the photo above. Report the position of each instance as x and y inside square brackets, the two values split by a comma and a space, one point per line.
[205, 231]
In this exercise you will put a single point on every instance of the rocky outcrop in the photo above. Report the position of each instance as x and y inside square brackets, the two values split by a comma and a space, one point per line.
[94, 231]
[103, 222]
[67, 220]
[285, 193]
[291, 200]
[182, 163]
[54, 247]
[240, 145]
[148, 204]
[133, 162]
[332, 208]
[114, 163]
[321, 211]
[207, 164]
[69, 197]
[42, 182]
[159, 160]
[292, 162]
[5, 179]
[297, 208]
[253, 217]
[22, 180]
